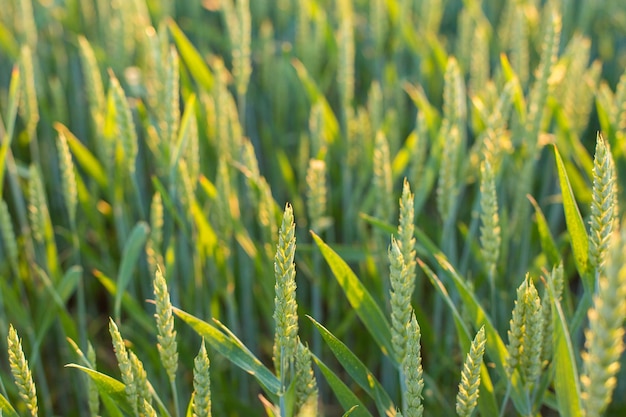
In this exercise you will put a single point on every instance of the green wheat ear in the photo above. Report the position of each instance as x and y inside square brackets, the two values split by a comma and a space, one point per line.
[467, 398]
[603, 206]
[201, 384]
[124, 363]
[20, 371]
[166, 335]
[412, 368]
[556, 280]
[8, 236]
[305, 383]
[526, 334]
[285, 306]
[140, 379]
[316, 193]
[604, 339]
[66, 166]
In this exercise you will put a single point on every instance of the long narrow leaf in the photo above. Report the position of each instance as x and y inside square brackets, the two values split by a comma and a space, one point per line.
[233, 350]
[360, 299]
[107, 385]
[346, 397]
[566, 378]
[6, 408]
[575, 224]
[192, 58]
[357, 370]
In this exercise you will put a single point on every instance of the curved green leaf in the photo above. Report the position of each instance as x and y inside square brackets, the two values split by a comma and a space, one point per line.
[7, 409]
[357, 370]
[132, 249]
[107, 385]
[235, 351]
[348, 400]
[193, 60]
[360, 299]
[575, 225]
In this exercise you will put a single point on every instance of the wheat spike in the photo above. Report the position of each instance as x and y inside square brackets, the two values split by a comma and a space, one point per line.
[166, 335]
[604, 339]
[21, 372]
[124, 363]
[467, 398]
[285, 306]
[412, 368]
[201, 384]
[603, 206]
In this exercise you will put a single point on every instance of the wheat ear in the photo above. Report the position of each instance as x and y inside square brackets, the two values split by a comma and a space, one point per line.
[467, 398]
[285, 306]
[21, 372]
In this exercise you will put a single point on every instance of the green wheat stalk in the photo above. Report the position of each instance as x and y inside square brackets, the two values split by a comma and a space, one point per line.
[316, 193]
[412, 369]
[27, 25]
[37, 207]
[467, 398]
[126, 368]
[305, 384]
[21, 372]
[29, 109]
[490, 234]
[93, 81]
[201, 384]
[140, 380]
[166, 334]
[285, 306]
[604, 339]
[604, 207]
[556, 279]
[68, 178]
[125, 124]
[525, 334]
[154, 255]
[8, 237]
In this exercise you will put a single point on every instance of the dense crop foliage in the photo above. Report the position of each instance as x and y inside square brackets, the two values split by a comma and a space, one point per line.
[312, 207]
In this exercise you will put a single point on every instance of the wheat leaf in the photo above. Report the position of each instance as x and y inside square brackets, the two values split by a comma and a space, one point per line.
[360, 299]
[348, 400]
[357, 370]
[107, 385]
[575, 225]
[233, 350]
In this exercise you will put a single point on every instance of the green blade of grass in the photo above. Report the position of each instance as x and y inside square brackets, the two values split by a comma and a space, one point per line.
[360, 299]
[233, 350]
[132, 249]
[6, 408]
[566, 379]
[357, 370]
[107, 385]
[575, 225]
[545, 235]
[192, 58]
[346, 397]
